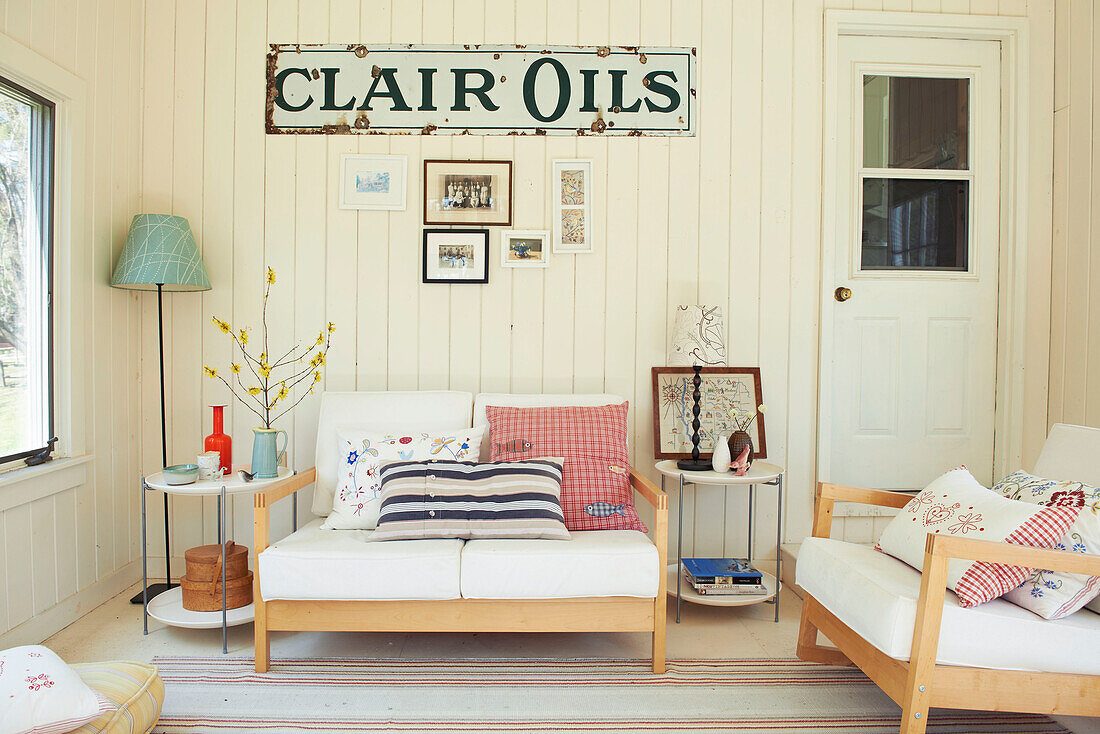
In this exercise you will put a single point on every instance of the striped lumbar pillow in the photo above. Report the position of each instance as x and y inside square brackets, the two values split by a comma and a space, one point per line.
[458, 499]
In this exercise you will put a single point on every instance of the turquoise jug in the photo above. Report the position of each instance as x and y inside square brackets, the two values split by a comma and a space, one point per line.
[265, 455]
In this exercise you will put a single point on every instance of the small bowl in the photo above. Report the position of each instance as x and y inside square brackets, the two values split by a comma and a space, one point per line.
[181, 474]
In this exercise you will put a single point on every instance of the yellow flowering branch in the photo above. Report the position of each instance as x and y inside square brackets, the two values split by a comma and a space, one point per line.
[271, 390]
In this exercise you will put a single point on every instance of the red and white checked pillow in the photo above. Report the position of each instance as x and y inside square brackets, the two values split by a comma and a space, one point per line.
[595, 488]
[957, 504]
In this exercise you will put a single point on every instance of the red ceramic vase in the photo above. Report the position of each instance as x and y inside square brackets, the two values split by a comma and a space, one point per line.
[219, 441]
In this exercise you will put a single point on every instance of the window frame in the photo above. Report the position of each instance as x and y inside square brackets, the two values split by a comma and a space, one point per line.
[969, 174]
[43, 162]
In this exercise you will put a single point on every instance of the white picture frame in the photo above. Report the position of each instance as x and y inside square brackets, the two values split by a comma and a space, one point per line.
[525, 248]
[571, 185]
[373, 182]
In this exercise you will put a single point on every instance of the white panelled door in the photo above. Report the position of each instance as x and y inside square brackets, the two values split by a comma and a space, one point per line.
[910, 267]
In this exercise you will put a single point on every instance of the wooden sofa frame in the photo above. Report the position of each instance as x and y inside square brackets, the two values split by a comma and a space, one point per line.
[920, 683]
[596, 614]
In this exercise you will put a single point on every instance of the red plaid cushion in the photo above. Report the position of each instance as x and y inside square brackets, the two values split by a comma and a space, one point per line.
[595, 487]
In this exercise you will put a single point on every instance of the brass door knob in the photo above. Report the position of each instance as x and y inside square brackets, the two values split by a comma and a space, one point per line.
[842, 294]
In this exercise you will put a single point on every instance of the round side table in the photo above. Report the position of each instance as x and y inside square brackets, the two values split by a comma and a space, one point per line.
[167, 607]
[760, 473]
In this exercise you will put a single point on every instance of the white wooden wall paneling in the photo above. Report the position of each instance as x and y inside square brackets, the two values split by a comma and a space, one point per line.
[805, 267]
[249, 221]
[99, 196]
[156, 191]
[217, 195]
[773, 316]
[186, 385]
[84, 47]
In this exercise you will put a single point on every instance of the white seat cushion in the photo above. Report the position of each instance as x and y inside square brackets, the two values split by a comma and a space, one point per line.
[876, 596]
[339, 564]
[590, 563]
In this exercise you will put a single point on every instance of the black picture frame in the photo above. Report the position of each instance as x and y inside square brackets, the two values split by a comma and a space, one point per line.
[475, 238]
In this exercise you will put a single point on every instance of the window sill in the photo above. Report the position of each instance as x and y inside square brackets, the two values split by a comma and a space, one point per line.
[30, 483]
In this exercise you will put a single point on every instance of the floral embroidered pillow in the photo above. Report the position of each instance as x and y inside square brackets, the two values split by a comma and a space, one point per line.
[1053, 594]
[358, 493]
[40, 694]
[957, 504]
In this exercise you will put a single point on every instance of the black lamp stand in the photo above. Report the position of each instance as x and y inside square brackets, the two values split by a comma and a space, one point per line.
[695, 463]
[155, 589]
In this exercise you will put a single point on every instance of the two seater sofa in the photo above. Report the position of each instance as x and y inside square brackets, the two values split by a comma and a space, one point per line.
[317, 579]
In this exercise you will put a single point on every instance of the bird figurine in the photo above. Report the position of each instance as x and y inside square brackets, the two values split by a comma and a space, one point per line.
[740, 465]
[245, 476]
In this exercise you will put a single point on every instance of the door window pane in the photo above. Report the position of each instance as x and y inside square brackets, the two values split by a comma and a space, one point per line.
[915, 122]
[25, 415]
[914, 223]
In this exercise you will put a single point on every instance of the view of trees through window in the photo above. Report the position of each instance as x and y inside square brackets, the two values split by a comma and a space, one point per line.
[24, 395]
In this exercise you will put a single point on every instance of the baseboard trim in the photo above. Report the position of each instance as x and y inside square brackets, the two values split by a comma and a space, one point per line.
[61, 615]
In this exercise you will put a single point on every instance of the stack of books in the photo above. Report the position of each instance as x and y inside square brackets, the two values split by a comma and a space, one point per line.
[729, 576]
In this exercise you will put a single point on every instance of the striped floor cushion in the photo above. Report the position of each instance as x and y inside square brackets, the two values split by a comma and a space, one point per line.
[457, 499]
[135, 688]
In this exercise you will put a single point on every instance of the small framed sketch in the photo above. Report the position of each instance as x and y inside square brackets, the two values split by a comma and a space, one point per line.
[571, 188]
[372, 181]
[722, 389]
[468, 192]
[529, 248]
[456, 256]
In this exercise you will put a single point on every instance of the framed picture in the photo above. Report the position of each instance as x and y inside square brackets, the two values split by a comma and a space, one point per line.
[528, 248]
[372, 181]
[723, 389]
[456, 256]
[468, 192]
[571, 187]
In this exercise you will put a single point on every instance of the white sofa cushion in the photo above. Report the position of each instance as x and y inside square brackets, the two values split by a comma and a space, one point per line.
[314, 563]
[590, 563]
[383, 412]
[876, 596]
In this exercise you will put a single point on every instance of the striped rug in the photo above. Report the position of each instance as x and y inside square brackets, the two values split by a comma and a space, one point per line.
[588, 695]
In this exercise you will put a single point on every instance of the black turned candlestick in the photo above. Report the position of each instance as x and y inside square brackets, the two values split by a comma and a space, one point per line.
[694, 463]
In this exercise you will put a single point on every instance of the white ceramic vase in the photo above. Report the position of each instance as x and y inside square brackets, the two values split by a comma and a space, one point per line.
[721, 459]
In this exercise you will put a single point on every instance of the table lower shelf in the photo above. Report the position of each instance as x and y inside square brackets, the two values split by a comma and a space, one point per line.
[687, 593]
[167, 607]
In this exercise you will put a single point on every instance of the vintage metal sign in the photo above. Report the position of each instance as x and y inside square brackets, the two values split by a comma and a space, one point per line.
[482, 90]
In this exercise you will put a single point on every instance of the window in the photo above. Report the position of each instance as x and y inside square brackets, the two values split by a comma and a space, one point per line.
[26, 384]
[916, 173]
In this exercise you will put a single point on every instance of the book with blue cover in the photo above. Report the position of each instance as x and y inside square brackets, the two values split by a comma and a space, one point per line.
[721, 571]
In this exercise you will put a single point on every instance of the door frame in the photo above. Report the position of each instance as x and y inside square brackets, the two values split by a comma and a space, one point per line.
[1022, 344]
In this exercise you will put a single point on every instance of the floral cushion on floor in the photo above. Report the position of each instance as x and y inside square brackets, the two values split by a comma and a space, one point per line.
[40, 694]
[1054, 594]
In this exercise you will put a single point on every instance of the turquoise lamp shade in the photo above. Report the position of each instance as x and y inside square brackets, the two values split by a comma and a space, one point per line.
[160, 250]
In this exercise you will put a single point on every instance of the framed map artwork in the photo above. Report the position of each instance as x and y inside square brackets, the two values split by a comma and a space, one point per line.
[572, 189]
[723, 389]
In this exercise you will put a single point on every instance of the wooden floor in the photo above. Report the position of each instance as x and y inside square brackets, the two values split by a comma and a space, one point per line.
[113, 631]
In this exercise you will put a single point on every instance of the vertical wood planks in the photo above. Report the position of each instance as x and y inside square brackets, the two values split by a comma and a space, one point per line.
[218, 184]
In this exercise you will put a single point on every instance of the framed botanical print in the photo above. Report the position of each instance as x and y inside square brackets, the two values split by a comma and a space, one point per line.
[456, 256]
[529, 248]
[372, 181]
[571, 188]
[468, 192]
[723, 389]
